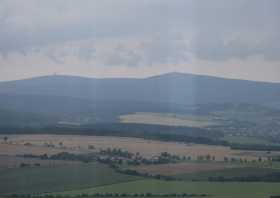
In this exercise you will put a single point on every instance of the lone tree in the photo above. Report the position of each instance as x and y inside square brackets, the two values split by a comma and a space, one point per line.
[208, 157]
[226, 159]
[5, 139]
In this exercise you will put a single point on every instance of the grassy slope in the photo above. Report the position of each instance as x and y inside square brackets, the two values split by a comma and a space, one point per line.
[40, 180]
[216, 189]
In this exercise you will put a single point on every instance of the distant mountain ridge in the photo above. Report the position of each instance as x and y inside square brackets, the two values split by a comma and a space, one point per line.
[173, 88]
[49, 100]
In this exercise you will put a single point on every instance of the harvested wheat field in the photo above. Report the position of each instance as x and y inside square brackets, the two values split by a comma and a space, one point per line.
[37, 144]
[20, 149]
[165, 119]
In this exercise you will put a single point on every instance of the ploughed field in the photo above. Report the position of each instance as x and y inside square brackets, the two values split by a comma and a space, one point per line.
[181, 168]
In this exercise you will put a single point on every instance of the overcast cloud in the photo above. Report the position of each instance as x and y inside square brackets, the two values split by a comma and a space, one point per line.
[233, 38]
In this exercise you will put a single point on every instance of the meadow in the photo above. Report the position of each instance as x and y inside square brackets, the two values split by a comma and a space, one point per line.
[50, 179]
[214, 189]
[228, 173]
[248, 140]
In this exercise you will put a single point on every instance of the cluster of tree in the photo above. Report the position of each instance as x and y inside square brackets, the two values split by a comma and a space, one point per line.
[22, 165]
[274, 158]
[207, 157]
[233, 159]
[5, 139]
[113, 157]
[65, 156]
[109, 156]
[110, 195]
[112, 162]
[242, 160]
[165, 158]
[91, 147]
[75, 157]
[116, 153]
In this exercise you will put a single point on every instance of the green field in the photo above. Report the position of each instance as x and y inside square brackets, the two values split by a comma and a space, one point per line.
[215, 189]
[229, 173]
[248, 140]
[41, 180]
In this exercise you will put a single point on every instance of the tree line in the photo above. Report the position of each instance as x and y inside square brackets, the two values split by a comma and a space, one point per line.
[110, 195]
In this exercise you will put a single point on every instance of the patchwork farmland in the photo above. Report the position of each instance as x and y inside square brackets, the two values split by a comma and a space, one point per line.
[73, 165]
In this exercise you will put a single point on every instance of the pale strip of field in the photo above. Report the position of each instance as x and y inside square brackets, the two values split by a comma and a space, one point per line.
[165, 119]
[147, 148]
[179, 168]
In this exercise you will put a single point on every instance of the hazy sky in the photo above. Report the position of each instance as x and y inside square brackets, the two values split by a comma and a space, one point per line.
[136, 38]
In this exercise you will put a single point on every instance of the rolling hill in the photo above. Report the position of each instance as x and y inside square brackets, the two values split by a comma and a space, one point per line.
[92, 100]
[172, 88]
